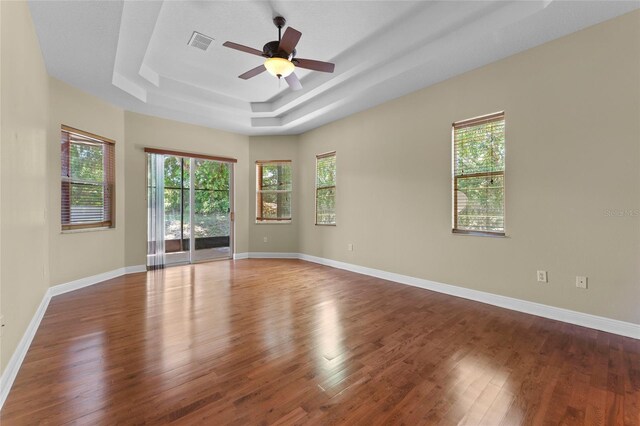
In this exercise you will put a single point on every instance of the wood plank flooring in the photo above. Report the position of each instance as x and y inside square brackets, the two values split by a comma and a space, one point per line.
[291, 342]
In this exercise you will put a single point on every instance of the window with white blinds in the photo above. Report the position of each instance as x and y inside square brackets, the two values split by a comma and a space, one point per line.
[326, 189]
[478, 175]
[88, 180]
[273, 191]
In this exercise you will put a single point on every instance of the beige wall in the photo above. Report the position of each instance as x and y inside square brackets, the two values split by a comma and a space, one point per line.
[573, 147]
[145, 131]
[80, 254]
[280, 237]
[23, 151]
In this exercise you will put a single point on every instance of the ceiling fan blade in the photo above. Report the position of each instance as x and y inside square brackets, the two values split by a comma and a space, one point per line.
[293, 82]
[242, 48]
[290, 39]
[310, 64]
[252, 73]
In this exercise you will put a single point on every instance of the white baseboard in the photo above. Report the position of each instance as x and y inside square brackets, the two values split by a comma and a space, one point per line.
[135, 269]
[578, 318]
[11, 371]
[94, 279]
[272, 255]
[265, 255]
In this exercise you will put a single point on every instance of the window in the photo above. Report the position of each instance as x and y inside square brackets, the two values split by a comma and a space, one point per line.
[273, 191]
[478, 175]
[326, 189]
[88, 180]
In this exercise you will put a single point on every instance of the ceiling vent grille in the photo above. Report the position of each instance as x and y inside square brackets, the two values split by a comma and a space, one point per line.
[200, 41]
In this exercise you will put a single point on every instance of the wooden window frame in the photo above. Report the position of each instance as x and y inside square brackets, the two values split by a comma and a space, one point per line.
[484, 119]
[109, 175]
[190, 155]
[319, 157]
[260, 219]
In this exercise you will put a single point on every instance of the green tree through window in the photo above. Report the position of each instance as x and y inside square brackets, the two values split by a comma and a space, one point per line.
[478, 175]
[326, 189]
[273, 191]
[211, 204]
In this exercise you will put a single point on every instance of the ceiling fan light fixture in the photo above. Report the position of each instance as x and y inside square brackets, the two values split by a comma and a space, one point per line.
[279, 67]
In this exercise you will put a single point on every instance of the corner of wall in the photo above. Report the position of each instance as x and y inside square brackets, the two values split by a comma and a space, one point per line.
[281, 238]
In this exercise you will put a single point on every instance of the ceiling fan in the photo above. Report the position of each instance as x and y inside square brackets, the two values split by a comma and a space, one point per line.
[281, 57]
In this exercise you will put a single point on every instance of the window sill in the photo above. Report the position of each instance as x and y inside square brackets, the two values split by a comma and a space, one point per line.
[479, 233]
[81, 230]
[325, 224]
[275, 222]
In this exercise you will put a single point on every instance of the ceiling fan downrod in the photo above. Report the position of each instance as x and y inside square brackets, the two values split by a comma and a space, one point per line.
[279, 22]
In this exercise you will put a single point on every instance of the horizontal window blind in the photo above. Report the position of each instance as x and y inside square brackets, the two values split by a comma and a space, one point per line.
[326, 189]
[87, 179]
[478, 175]
[273, 190]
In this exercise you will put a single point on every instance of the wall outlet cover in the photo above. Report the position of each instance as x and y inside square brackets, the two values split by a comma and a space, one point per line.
[542, 276]
[581, 282]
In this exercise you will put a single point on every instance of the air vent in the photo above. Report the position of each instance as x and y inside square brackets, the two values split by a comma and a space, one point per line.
[200, 41]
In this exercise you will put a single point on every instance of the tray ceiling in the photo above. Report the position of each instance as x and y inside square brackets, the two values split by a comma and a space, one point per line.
[135, 54]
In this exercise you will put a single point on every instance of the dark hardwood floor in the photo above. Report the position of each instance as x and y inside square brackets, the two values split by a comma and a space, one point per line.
[291, 342]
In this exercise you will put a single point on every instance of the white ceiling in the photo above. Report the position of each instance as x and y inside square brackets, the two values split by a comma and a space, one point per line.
[135, 54]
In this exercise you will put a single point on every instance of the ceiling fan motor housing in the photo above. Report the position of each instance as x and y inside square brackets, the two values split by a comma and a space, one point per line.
[272, 50]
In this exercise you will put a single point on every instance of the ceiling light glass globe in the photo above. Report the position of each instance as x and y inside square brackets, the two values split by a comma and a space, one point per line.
[279, 67]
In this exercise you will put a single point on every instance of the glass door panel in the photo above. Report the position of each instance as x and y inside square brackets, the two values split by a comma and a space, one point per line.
[186, 205]
[211, 210]
[176, 209]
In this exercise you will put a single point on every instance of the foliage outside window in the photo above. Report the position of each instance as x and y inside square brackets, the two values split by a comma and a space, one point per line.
[87, 180]
[478, 175]
[211, 205]
[326, 189]
[273, 191]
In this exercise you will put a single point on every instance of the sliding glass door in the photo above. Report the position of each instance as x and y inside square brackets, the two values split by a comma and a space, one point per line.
[211, 210]
[196, 209]
[177, 223]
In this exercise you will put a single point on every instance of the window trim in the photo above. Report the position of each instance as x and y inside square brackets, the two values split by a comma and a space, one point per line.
[259, 207]
[190, 155]
[334, 187]
[91, 226]
[87, 134]
[482, 119]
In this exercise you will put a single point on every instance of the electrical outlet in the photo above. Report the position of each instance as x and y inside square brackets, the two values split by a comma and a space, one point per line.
[542, 276]
[581, 282]
[265, 239]
[350, 247]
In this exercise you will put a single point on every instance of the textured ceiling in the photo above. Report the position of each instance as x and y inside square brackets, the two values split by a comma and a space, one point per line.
[135, 54]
